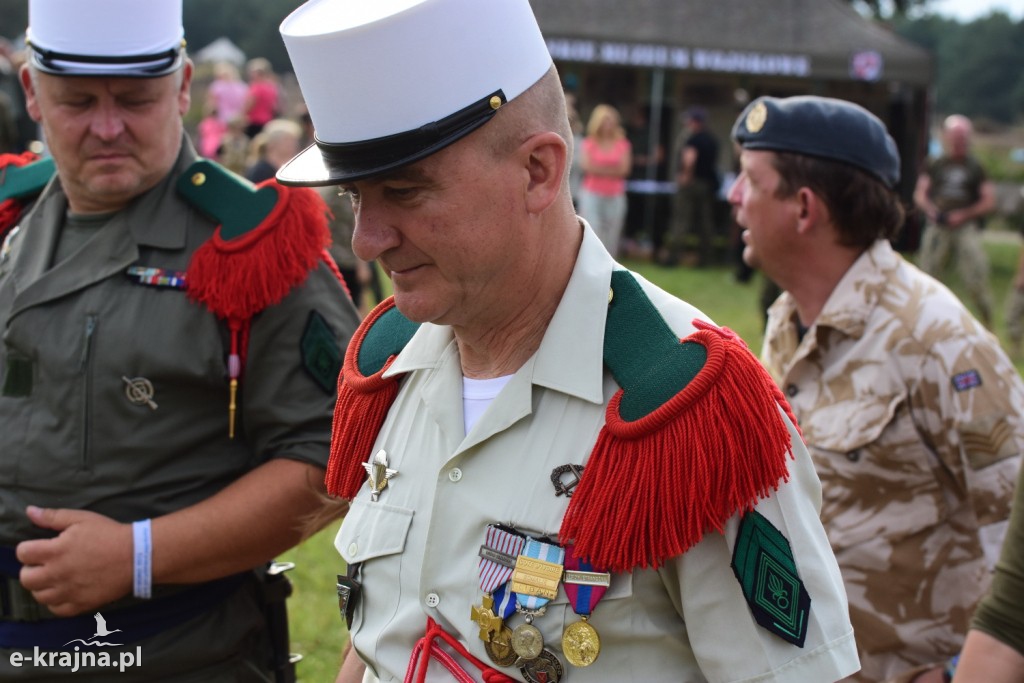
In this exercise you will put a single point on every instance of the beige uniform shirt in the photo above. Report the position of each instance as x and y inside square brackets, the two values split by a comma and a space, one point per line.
[913, 416]
[418, 544]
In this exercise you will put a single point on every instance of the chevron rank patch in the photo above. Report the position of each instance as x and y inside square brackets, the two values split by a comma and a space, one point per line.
[321, 356]
[763, 563]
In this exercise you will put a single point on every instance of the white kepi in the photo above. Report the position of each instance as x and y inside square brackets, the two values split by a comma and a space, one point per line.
[389, 82]
[135, 38]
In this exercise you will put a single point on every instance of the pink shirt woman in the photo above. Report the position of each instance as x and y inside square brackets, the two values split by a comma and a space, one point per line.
[606, 158]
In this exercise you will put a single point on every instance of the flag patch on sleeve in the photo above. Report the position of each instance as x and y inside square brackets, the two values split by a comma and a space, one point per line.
[967, 380]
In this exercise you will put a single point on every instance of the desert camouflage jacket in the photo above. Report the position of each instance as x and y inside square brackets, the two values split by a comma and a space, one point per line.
[915, 419]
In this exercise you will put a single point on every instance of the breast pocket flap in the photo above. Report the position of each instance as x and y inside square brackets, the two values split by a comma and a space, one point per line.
[372, 530]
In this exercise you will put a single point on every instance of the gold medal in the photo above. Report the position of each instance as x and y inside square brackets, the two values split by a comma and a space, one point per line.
[545, 668]
[581, 644]
[499, 647]
[527, 641]
[486, 619]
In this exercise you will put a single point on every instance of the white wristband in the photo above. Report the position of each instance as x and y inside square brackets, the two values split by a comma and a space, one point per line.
[142, 585]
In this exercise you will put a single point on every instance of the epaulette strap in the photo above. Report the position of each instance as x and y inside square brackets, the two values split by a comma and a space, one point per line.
[364, 395]
[233, 202]
[692, 437]
[22, 177]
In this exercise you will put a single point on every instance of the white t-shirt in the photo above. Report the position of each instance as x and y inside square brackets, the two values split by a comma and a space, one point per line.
[477, 394]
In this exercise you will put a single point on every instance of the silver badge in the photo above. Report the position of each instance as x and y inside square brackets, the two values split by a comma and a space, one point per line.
[139, 391]
[379, 473]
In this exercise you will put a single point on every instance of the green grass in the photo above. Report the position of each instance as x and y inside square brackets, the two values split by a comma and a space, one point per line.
[317, 630]
[316, 627]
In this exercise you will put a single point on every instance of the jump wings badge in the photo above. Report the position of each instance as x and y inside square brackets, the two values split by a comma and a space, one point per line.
[378, 473]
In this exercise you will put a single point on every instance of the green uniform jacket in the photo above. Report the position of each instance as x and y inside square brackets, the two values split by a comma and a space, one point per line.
[70, 435]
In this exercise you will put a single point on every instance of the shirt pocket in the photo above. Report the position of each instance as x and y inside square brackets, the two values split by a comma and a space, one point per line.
[372, 530]
[880, 481]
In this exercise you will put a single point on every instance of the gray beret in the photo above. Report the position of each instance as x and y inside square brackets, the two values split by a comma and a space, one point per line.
[820, 127]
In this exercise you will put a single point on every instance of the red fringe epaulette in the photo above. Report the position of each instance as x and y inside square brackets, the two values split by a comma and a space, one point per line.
[364, 395]
[705, 443]
[239, 277]
[654, 486]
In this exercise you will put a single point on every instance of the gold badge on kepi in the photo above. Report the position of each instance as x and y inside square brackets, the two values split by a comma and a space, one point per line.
[756, 117]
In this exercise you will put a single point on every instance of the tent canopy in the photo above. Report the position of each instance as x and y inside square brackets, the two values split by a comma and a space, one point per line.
[221, 50]
[813, 39]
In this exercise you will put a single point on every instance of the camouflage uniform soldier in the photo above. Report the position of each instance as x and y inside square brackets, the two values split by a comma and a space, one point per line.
[911, 411]
[955, 194]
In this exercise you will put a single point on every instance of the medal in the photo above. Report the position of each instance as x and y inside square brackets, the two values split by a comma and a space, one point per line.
[584, 588]
[527, 640]
[497, 558]
[499, 647]
[580, 643]
[484, 616]
[545, 668]
[535, 581]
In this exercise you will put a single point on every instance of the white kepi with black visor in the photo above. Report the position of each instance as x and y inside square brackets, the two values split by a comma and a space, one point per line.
[118, 38]
[390, 82]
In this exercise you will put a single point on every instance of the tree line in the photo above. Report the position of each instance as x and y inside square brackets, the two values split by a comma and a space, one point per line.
[977, 64]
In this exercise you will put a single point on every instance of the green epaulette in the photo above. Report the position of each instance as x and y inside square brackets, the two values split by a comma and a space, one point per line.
[233, 202]
[22, 178]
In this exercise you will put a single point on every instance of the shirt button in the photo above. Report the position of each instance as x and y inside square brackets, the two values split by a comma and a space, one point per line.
[455, 474]
[792, 390]
[353, 548]
[853, 456]
[433, 599]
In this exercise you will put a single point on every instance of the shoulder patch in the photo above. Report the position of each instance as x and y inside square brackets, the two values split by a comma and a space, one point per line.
[321, 356]
[231, 200]
[763, 563]
[970, 379]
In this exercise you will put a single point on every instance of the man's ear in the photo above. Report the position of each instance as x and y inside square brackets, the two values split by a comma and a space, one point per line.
[185, 91]
[811, 210]
[31, 97]
[546, 158]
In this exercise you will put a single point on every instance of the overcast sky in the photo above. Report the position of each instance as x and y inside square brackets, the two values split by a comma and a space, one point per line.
[966, 10]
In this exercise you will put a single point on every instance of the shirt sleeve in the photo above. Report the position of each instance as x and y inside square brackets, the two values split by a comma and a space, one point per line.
[720, 619]
[288, 386]
[969, 403]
